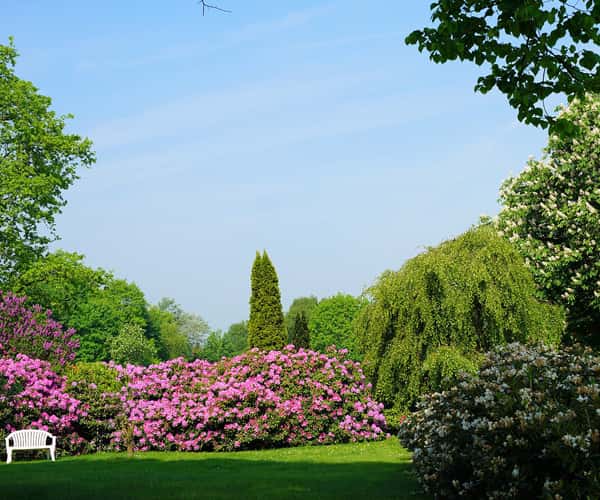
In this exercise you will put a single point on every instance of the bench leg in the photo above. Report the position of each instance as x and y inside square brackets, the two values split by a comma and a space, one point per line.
[8, 455]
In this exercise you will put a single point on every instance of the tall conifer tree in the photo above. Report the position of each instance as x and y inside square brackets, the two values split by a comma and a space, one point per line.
[300, 334]
[266, 327]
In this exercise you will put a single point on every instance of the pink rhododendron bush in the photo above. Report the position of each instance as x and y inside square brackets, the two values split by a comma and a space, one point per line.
[34, 396]
[256, 400]
[32, 331]
[527, 426]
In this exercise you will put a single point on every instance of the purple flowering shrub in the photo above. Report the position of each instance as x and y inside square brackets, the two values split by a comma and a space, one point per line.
[526, 426]
[32, 395]
[255, 400]
[32, 331]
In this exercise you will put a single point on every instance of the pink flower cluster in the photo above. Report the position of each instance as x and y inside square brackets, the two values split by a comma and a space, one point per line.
[32, 331]
[255, 400]
[34, 396]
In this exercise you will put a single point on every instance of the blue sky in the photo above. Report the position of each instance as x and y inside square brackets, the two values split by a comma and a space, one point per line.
[304, 128]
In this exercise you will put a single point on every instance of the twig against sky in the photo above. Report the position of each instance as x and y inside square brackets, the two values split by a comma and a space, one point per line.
[207, 6]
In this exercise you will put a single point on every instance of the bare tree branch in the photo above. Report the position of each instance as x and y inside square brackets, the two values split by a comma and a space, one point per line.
[207, 6]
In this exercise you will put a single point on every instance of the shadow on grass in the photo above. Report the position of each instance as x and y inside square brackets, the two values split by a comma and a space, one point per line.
[119, 477]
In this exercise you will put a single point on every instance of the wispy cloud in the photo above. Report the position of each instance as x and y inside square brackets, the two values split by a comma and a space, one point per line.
[248, 33]
[202, 114]
[253, 122]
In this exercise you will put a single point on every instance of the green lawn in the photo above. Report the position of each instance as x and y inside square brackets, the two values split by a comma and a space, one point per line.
[366, 471]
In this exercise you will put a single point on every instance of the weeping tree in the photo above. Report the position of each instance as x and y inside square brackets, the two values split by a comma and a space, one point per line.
[438, 313]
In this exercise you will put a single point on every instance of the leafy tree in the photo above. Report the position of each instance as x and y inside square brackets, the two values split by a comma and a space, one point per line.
[193, 326]
[300, 334]
[534, 48]
[215, 347]
[299, 305]
[237, 338]
[266, 328]
[131, 346]
[552, 214]
[61, 282]
[38, 162]
[104, 314]
[92, 301]
[469, 294]
[171, 341]
[331, 324]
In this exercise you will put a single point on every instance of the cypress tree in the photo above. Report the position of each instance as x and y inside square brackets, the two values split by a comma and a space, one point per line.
[266, 327]
[300, 334]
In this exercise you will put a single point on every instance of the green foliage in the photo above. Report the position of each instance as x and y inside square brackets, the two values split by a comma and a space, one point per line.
[172, 342]
[236, 338]
[300, 334]
[443, 366]
[101, 318]
[191, 325]
[266, 327]
[38, 161]
[215, 347]
[218, 344]
[525, 426]
[394, 419]
[61, 282]
[534, 49]
[469, 293]
[331, 324]
[92, 301]
[131, 346]
[552, 214]
[97, 386]
[299, 305]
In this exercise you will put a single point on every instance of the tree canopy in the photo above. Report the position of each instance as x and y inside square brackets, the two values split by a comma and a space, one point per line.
[300, 305]
[38, 162]
[130, 345]
[533, 48]
[331, 324]
[92, 301]
[193, 326]
[470, 294]
[552, 214]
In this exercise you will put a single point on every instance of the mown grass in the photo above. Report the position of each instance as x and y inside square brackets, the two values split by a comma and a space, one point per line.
[365, 471]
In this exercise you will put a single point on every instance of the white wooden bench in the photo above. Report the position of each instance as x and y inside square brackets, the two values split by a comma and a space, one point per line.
[30, 439]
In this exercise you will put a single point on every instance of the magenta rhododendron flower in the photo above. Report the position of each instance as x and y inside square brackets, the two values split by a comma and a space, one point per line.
[255, 400]
[33, 396]
[32, 331]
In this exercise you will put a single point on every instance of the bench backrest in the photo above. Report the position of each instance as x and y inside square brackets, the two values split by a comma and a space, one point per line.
[29, 437]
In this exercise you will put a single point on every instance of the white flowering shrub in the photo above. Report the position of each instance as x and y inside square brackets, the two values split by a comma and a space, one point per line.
[526, 426]
[552, 214]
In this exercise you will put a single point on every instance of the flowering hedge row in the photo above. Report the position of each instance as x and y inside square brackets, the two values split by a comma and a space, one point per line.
[34, 396]
[527, 426]
[255, 400]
